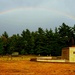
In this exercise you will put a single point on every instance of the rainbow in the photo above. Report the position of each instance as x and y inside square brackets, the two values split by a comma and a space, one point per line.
[32, 8]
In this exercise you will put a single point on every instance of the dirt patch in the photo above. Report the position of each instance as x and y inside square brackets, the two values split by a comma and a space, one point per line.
[35, 68]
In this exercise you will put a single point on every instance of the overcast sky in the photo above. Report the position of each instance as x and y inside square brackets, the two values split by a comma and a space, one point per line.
[18, 15]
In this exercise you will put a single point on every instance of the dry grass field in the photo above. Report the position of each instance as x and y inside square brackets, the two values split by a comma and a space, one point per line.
[16, 66]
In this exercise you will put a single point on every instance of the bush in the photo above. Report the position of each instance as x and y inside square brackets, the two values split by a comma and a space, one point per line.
[33, 59]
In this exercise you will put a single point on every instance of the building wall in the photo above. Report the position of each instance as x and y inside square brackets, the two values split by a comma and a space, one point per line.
[68, 54]
[65, 53]
[72, 54]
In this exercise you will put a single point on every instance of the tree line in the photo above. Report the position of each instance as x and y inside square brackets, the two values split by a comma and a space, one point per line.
[43, 42]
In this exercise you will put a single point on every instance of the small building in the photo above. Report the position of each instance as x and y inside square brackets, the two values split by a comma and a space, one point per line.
[68, 54]
[15, 54]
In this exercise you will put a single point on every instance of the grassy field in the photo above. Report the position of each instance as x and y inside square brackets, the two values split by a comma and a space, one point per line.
[18, 58]
[23, 66]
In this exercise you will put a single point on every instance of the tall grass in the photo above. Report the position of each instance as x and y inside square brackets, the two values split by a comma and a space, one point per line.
[10, 58]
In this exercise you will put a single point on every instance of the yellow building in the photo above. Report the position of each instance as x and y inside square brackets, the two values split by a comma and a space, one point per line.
[68, 54]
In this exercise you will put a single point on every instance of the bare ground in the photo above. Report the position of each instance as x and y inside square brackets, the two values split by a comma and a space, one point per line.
[26, 67]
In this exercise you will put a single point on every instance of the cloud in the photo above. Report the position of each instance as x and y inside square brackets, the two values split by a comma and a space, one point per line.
[10, 4]
[32, 17]
[17, 15]
[66, 6]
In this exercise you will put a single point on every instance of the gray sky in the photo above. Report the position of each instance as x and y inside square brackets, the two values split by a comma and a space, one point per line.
[18, 15]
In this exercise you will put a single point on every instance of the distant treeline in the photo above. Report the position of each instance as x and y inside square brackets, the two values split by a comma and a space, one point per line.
[43, 42]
